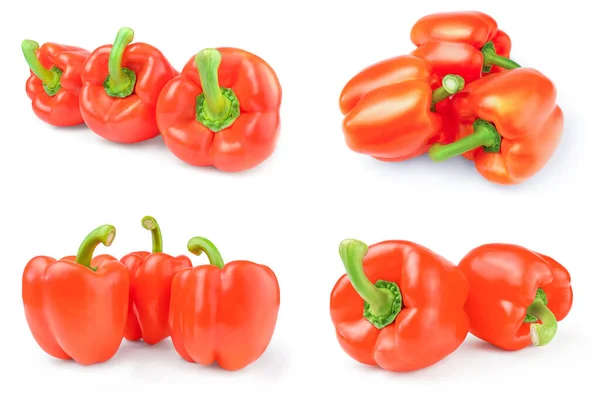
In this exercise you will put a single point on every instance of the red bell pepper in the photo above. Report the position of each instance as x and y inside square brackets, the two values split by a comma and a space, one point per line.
[396, 121]
[400, 306]
[517, 296]
[76, 307]
[384, 73]
[55, 81]
[121, 84]
[224, 313]
[465, 43]
[508, 123]
[151, 275]
[222, 110]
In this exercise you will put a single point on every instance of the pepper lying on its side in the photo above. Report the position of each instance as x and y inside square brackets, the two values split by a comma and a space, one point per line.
[517, 296]
[508, 123]
[394, 110]
[467, 43]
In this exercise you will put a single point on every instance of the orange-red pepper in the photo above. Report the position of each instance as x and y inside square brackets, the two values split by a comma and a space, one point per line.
[76, 307]
[392, 111]
[222, 110]
[517, 296]
[121, 84]
[508, 123]
[384, 73]
[400, 306]
[151, 275]
[55, 81]
[467, 43]
[223, 313]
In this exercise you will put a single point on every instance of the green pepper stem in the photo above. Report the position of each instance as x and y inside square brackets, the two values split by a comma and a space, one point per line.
[50, 78]
[118, 80]
[104, 234]
[484, 135]
[491, 58]
[451, 84]
[199, 245]
[149, 223]
[216, 105]
[352, 253]
[542, 334]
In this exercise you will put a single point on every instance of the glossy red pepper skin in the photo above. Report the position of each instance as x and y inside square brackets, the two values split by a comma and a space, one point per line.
[133, 261]
[471, 27]
[76, 307]
[151, 275]
[432, 322]
[223, 312]
[387, 108]
[452, 42]
[131, 119]
[61, 109]
[393, 133]
[384, 73]
[504, 281]
[521, 104]
[253, 136]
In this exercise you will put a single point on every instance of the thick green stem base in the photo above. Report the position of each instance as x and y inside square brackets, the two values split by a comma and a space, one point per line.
[541, 296]
[484, 135]
[203, 114]
[381, 318]
[53, 88]
[382, 300]
[124, 89]
[543, 323]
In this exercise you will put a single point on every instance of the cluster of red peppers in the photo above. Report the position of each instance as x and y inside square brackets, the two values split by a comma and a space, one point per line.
[457, 93]
[403, 307]
[81, 307]
[221, 110]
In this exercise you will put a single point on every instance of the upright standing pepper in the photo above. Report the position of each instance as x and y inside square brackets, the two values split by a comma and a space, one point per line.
[398, 121]
[151, 275]
[509, 123]
[400, 305]
[76, 307]
[121, 84]
[222, 111]
[517, 296]
[55, 81]
[224, 313]
[467, 43]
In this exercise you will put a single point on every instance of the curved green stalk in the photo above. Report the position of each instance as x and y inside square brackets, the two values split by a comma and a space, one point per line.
[149, 223]
[217, 107]
[199, 245]
[383, 300]
[120, 81]
[104, 234]
[50, 77]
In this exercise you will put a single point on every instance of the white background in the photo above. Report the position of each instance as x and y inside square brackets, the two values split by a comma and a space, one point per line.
[292, 212]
